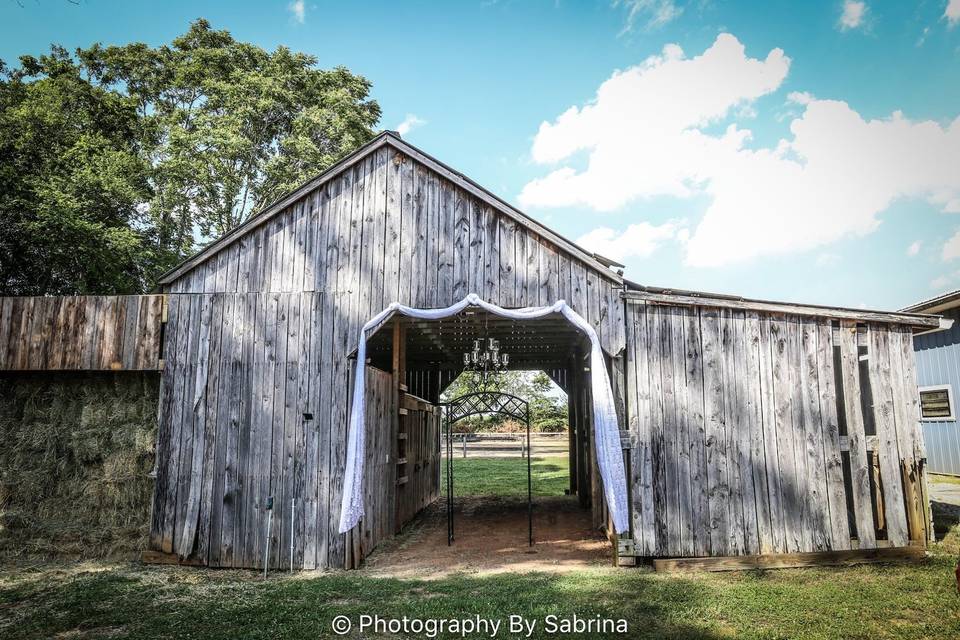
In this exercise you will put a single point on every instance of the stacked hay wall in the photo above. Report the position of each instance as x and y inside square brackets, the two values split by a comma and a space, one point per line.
[76, 451]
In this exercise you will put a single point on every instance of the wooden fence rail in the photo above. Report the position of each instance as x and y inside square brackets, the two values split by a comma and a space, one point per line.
[81, 333]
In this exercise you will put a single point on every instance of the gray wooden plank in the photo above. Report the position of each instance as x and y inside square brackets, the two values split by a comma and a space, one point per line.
[744, 523]
[859, 466]
[769, 336]
[818, 522]
[783, 352]
[408, 230]
[833, 464]
[658, 416]
[713, 389]
[883, 409]
[732, 356]
[685, 385]
[160, 539]
[211, 472]
[477, 238]
[416, 245]
[491, 259]
[506, 230]
[696, 435]
[801, 524]
[447, 257]
[753, 425]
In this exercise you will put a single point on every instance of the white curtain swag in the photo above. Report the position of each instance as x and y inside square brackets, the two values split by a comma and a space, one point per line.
[607, 440]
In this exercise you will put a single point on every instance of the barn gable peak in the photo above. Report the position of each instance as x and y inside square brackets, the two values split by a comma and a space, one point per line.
[392, 139]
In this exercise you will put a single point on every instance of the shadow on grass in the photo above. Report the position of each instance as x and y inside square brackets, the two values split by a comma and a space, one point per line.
[140, 602]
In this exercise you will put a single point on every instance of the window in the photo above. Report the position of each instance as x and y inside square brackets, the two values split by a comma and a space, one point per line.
[936, 403]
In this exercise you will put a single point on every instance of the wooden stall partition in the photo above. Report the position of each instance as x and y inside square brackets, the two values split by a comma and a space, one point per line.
[419, 486]
[379, 468]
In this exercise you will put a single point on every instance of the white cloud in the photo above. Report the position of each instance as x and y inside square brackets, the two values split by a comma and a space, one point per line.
[951, 248]
[639, 240]
[943, 282]
[827, 260]
[298, 11]
[853, 15]
[914, 248]
[657, 12]
[644, 136]
[409, 123]
[642, 129]
[952, 13]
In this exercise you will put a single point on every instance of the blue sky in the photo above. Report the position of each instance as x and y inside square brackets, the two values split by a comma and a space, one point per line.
[740, 147]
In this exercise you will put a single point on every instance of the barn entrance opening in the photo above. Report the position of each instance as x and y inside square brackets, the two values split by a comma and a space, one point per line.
[487, 450]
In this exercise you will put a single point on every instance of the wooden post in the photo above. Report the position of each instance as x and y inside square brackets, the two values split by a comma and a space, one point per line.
[398, 427]
[571, 427]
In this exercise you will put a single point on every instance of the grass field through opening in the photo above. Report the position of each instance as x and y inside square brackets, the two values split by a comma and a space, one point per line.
[507, 477]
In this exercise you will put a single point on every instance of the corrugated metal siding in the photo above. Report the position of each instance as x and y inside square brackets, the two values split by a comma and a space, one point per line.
[938, 362]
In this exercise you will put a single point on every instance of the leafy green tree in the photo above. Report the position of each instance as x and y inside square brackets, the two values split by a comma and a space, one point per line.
[118, 161]
[72, 180]
[548, 410]
[230, 127]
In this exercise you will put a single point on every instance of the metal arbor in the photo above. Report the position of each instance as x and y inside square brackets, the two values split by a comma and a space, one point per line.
[479, 403]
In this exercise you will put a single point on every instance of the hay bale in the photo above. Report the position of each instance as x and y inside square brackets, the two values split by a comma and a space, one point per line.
[78, 448]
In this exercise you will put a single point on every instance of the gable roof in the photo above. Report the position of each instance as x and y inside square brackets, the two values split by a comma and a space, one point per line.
[662, 295]
[937, 304]
[391, 139]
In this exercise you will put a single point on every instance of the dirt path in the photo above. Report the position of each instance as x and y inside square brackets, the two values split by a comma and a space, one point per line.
[491, 537]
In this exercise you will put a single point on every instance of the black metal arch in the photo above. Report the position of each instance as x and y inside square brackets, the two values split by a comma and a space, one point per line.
[478, 403]
[482, 402]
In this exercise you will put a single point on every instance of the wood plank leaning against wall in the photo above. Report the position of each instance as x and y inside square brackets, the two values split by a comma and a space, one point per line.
[388, 227]
[744, 423]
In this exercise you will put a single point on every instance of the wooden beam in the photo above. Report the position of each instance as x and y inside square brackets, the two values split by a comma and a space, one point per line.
[707, 300]
[159, 557]
[790, 560]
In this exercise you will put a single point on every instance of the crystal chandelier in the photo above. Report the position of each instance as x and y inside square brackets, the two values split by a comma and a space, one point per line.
[489, 360]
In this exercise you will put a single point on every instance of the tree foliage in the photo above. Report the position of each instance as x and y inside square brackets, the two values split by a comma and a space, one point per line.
[125, 158]
[71, 180]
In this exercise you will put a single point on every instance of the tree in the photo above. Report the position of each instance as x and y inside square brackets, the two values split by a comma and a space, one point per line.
[119, 160]
[71, 180]
[548, 411]
[231, 127]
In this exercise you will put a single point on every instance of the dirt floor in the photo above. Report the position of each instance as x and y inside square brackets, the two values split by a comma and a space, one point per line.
[491, 537]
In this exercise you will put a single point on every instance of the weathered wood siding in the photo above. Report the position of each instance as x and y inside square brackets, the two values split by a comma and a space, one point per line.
[118, 333]
[387, 228]
[245, 423]
[741, 433]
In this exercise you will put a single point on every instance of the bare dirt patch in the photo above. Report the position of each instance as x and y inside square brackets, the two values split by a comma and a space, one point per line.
[491, 537]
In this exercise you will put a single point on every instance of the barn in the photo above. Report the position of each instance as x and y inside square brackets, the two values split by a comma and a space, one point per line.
[748, 429]
[937, 354]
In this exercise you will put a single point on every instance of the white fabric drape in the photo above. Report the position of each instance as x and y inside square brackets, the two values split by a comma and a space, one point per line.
[607, 432]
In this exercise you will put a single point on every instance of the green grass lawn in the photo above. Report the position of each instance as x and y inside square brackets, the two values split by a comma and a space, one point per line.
[131, 601]
[103, 600]
[507, 476]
